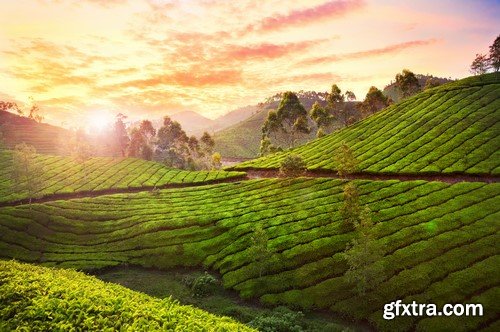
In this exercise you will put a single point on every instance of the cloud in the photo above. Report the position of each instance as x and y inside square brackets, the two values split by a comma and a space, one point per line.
[327, 10]
[267, 50]
[391, 49]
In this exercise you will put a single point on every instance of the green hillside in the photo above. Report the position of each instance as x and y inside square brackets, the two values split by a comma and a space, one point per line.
[454, 128]
[43, 299]
[45, 138]
[60, 175]
[441, 241]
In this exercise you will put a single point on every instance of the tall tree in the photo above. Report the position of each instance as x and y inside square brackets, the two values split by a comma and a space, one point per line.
[341, 105]
[120, 134]
[290, 120]
[480, 64]
[141, 140]
[322, 118]
[259, 249]
[374, 102]
[495, 54]
[364, 256]
[346, 161]
[27, 173]
[407, 83]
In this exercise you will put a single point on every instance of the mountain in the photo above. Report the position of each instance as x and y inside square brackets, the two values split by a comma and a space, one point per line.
[192, 122]
[452, 128]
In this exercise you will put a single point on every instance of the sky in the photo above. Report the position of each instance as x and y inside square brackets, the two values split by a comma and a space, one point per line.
[147, 59]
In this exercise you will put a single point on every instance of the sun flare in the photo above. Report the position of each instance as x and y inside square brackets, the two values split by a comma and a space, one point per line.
[99, 121]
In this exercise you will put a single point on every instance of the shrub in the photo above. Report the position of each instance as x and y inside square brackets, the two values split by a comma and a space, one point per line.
[281, 319]
[204, 285]
[292, 166]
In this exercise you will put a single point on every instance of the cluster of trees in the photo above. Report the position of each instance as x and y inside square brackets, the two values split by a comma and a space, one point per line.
[33, 112]
[483, 63]
[169, 144]
[291, 122]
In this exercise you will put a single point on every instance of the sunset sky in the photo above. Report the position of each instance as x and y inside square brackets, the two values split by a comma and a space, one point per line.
[156, 57]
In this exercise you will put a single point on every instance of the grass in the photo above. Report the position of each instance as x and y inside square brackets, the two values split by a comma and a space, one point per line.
[449, 129]
[45, 299]
[438, 238]
[222, 302]
[63, 175]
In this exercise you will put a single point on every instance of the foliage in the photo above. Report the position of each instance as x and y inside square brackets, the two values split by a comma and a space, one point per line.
[449, 129]
[346, 162]
[363, 256]
[374, 102]
[440, 240]
[26, 172]
[44, 299]
[480, 64]
[281, 319]
[432, 82]
[121, 139]
[259, 249]
[290, 120]
[292, 166]
[322, 118]
[350, 209]
[64, 175]
[341, 106]
[204, 285]
[407, 83]
[216, 161]
[494, 56]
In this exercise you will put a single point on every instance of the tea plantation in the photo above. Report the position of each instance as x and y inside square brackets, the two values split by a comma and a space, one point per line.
[453, 128]
[34, 298]
[60, 175]
[440, 241]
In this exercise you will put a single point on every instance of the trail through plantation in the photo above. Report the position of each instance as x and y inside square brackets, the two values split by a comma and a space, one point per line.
[264, 174]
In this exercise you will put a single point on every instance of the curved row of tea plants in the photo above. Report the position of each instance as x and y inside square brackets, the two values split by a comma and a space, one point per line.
[64, 175]
[440, 240]
[449, 129]
[34, 298]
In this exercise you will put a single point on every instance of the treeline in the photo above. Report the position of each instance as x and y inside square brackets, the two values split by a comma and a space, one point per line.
[291, 122]
[169, 144]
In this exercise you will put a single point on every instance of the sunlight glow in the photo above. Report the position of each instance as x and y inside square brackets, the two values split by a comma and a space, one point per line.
[99, 121]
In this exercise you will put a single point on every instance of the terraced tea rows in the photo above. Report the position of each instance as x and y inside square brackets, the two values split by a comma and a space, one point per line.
[449, 129]
[43, 299]
[63, 175]
[440, 241]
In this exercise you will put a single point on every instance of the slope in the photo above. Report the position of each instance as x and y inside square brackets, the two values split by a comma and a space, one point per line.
[63, 175]
[440, 241]
[44, 137]
[43, 299]
[453, 128]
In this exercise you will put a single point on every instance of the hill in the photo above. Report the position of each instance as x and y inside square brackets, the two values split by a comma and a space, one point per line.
[44, 137]
[63, 175]
[440, 241]
[453, 128]
[44, 299]
[242, 140]
[192, 122]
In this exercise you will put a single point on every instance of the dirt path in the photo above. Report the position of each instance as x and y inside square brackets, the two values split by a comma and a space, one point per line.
[264, 174]
[448, 178]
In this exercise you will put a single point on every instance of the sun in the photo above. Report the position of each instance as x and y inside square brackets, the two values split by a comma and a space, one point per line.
[99, 121]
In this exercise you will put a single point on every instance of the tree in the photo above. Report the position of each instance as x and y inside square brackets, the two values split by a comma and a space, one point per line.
[141, 141]
[495, 54]
[290, 120]
[321, 117]
[82, 153]
[27, 173]
[364, 255]
[216, 161]
[407, 83]
[479, 65]
[341, 105]
[120, 134]
[34, 112]
[346, 161]
[374, 102]
[350, 209]
[259, 249]
[431, 82]
[7, 106]
[292, 166]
